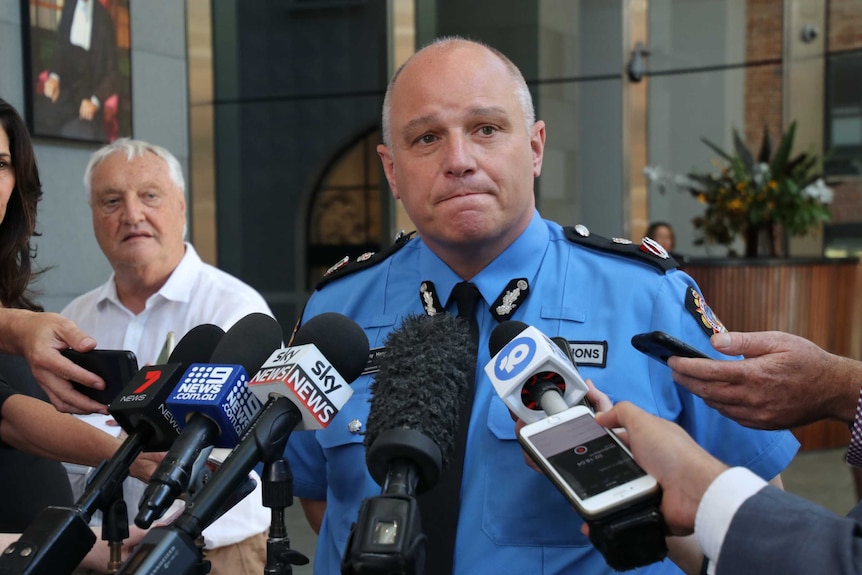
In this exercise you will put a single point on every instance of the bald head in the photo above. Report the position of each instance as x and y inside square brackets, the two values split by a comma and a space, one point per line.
[451, 44]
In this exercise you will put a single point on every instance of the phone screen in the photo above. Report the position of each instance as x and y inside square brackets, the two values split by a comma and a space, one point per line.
[594, 465]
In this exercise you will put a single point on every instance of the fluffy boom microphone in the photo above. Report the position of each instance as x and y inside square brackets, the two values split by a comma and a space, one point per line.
[424, 376]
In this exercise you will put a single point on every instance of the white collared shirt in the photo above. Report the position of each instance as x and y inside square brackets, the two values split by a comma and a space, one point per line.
[719, 504]
[82, 24]
[196, 293]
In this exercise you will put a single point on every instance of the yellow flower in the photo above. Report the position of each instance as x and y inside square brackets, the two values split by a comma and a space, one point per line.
[740, 187]
[701, 198]
[734, 205]
[773, 184]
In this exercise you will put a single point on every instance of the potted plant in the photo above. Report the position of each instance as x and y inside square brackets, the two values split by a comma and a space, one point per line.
[755, 196]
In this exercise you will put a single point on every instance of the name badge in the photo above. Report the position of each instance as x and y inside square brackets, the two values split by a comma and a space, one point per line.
[591, 353]
[373, 365]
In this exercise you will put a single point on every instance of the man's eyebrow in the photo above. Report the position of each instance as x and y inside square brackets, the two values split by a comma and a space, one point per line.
[420, 122]
[488, 111]
[478, 112]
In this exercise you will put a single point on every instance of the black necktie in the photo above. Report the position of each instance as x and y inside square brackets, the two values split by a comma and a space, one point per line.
[439, 506]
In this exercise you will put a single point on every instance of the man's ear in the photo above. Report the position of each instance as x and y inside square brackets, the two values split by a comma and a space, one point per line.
[537, 145]
[388, 168]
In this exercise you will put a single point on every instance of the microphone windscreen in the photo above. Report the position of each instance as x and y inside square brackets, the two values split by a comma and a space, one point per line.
[425, 374]
[249, 342]
[503, 334]
[339, 339]
[197, 345]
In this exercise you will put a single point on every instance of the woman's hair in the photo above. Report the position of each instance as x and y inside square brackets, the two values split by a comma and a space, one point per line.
[653, 228]
[19, 223]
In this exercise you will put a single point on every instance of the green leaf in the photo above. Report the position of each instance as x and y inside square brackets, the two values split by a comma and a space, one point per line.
[777, 166]
[742, 152]
[717, 150]
[765, 147]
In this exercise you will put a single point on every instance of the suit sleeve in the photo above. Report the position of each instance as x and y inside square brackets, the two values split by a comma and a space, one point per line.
[778, 532]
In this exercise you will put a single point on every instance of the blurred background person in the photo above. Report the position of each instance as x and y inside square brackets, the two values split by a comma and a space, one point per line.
[662, 233]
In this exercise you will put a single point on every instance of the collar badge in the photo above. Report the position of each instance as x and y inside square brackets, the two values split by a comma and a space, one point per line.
[651, 246]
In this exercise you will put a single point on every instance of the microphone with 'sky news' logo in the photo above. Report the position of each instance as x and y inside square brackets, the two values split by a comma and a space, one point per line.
[303, 375]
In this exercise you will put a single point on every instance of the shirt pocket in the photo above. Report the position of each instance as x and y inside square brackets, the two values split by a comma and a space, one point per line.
[522, 507]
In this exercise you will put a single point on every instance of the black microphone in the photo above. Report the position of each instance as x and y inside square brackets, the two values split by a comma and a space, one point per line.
[59, 537]
[425, 375]
[213, 407]
[264, 441]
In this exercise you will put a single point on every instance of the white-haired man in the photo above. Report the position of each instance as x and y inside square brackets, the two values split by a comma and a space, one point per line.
[136, 192]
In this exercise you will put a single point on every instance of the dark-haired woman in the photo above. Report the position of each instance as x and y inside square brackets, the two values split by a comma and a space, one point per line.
[29, 482]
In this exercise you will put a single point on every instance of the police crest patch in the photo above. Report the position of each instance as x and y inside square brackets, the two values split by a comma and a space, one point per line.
[702, 313]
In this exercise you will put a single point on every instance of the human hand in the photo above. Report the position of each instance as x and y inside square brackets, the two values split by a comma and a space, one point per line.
[88, 110]
[597, 399]
[145, 464]
[665, 451]
[784, 380]
[39, 337]
[51, 88]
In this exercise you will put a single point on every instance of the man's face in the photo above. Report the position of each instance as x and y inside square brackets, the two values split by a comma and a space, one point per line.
[462, 160]
[139, 213]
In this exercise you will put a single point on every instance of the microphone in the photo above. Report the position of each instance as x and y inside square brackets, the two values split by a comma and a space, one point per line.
[59, 537]
[263, 442]
[425, 375]
[532, 374]
[314, 373]
[213, 407]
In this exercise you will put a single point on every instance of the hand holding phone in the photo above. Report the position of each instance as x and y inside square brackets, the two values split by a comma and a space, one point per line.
[114, 366]
[587, 463]
[660, 346]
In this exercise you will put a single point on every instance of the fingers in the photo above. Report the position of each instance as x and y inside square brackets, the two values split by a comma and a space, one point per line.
[599, 400]
[749, 344]
[618, 416]
[65, 397]
[75, 338]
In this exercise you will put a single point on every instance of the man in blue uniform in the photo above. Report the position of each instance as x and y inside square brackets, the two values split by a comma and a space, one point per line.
[461, 151]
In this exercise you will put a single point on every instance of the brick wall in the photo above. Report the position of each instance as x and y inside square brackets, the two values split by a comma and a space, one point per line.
[763, 41]
[847, 203]
[845, 25]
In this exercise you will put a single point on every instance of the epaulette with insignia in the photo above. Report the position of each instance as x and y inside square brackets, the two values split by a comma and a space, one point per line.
[649, 252]
[345, 266]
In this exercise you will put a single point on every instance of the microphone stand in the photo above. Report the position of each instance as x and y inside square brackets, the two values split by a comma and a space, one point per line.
[278, 495]
[115, 528]
[59, 538]
[171, 549]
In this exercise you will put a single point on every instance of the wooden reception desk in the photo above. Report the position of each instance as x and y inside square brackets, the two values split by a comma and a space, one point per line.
[816, 298]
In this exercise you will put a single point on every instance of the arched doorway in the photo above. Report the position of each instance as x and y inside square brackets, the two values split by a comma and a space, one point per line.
[346, 212]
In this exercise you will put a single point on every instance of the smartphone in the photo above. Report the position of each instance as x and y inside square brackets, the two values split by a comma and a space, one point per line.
[660, 346]
[115, 366]
[587, 463]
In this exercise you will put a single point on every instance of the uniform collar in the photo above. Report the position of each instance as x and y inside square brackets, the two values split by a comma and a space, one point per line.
[522, 259]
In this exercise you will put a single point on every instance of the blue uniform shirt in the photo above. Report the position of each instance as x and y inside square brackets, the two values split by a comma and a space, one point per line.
[512, 519]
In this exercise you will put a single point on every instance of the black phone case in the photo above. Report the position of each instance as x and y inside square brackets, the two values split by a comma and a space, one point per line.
[660, 345]
[115, 366]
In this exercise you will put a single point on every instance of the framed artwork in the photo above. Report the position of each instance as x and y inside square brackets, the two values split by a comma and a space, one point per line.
[78, 67]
